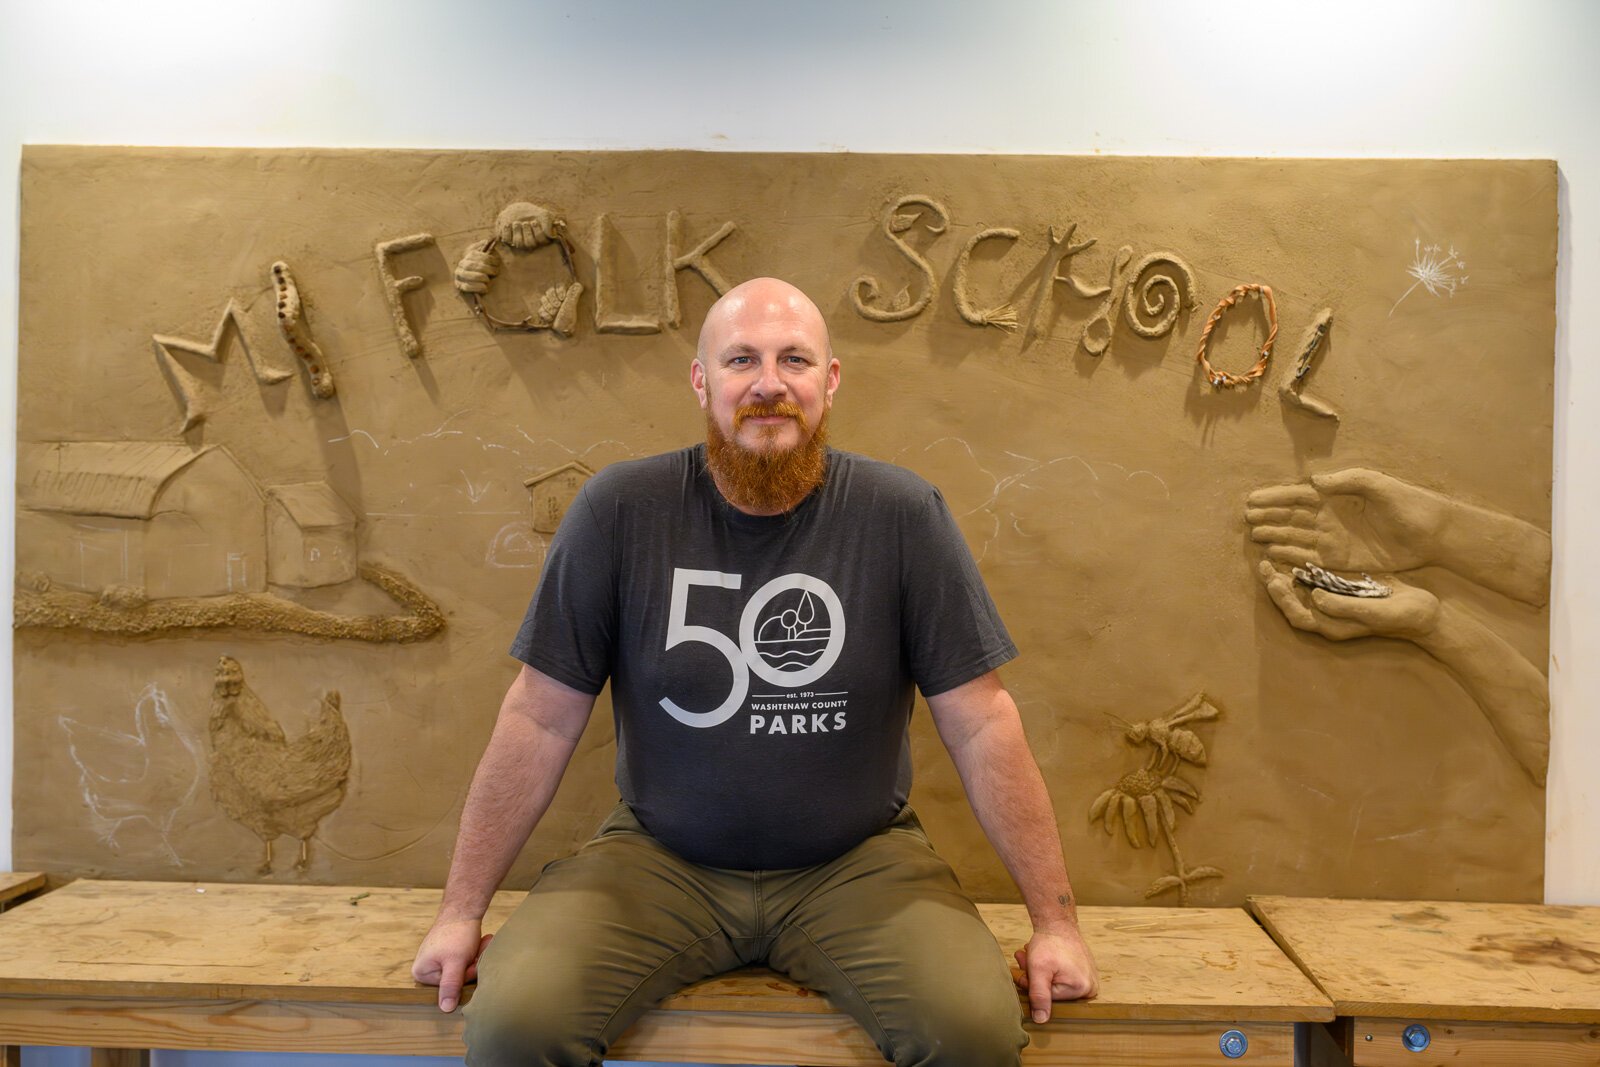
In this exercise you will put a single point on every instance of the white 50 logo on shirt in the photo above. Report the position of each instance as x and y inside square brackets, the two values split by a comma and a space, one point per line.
[790, 634]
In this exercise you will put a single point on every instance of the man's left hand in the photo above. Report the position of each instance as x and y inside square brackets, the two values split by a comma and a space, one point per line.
[1055, 966]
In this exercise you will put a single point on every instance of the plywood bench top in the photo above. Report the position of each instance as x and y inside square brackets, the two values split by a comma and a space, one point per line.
[335, 944]
[14, 884]
[1445, 959]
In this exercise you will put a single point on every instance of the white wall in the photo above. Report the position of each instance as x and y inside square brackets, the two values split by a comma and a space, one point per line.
[1451, 78]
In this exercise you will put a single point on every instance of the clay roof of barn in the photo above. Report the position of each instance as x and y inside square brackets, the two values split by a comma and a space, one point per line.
[117, 478]
[313, 505]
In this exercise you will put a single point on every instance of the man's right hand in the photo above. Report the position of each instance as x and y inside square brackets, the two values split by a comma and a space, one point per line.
[448, 958]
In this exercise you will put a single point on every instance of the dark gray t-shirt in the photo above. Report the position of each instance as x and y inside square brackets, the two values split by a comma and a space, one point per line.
[762, 668]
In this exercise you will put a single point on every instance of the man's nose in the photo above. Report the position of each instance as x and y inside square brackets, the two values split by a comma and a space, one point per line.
[770, 384]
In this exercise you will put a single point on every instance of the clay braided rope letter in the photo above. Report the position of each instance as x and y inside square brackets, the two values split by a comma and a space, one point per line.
[1221, 379]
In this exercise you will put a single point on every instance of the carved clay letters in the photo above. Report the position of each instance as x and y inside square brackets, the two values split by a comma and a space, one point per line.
[1292, 390]
[291, 322]
[865, 292]
[1152, 297]
[606, 320]
[1097, 331]
[694, 259]
[1001, 315]
[523, 227]
[189, 388]
[394, 288]
[1061, 249]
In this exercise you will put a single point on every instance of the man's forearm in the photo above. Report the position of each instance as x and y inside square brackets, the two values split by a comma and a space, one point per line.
[513, 786]
[1009, 797]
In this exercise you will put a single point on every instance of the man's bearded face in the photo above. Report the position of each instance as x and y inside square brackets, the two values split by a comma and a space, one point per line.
[767, 477]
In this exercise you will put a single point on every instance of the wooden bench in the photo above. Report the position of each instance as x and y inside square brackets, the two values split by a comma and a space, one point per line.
[1418, 983]
[141, 965]
[17, 885]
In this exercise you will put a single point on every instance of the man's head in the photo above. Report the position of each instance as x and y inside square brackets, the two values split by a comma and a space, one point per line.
[765, 376]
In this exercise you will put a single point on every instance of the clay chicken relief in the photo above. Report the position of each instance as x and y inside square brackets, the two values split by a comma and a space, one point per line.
[1256, 466]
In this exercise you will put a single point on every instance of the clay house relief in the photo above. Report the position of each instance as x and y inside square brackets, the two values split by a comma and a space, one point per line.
[311, 534]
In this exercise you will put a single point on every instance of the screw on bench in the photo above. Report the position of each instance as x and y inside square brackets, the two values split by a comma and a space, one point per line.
[1234, 1044]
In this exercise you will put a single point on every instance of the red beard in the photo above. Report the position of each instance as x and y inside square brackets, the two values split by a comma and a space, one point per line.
[766, 481]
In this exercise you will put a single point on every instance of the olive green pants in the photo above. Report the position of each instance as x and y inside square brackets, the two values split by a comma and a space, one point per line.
[884, 931]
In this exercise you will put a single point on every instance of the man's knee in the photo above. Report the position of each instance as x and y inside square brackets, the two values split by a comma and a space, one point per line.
[967, 1029]
[528, 1030]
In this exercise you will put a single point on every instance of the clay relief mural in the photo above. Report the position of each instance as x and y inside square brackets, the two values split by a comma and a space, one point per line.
[380, 379]
[1146, 802]
[265, 782]
[147, 537]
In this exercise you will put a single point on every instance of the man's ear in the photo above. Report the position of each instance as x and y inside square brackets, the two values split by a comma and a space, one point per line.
[697, 380]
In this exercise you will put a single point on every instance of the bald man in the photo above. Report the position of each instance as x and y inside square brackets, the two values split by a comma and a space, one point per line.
[764, 608]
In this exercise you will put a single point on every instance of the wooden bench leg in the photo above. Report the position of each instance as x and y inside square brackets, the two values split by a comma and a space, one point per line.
[119, 1057]
[10, 1056]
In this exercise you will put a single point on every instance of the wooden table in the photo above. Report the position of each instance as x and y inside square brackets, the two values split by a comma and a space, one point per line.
[1496, 985]
[15, 884]
[140, 965]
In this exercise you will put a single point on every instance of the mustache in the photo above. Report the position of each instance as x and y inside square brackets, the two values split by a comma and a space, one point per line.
[779, 407]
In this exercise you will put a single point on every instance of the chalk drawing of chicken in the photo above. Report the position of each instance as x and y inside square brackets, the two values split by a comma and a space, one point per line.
[146, 776]
[271, 785]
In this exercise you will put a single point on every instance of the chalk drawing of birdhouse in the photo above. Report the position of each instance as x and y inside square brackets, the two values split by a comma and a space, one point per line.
[553, 492]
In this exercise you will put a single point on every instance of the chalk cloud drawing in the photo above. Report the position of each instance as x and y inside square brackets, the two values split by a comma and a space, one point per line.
[1434, 269]
[270, 785]
[514, 545]
[1145, 801]
[148, 775]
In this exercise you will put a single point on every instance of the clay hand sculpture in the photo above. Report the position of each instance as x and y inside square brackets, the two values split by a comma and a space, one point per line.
[1510, 691]
[523, 226]
[1411, 613]
[1354, 520]
[1364, 520]
[478, 267]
